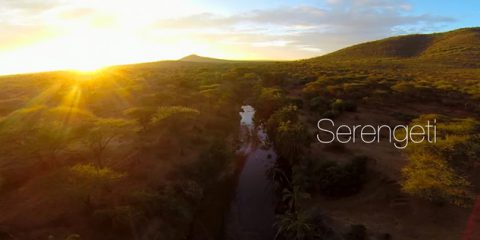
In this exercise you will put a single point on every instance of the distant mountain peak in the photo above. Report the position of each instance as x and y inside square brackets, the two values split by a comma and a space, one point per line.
[197, 58]
[191, 56]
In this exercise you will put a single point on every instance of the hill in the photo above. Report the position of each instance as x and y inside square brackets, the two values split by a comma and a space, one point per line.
[196, 58]
[461, 45]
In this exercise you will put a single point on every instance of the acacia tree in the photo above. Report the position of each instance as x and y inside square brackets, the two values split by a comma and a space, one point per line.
[174, 123]
[269, 100]
[39, 133]
[103, 132]
[16, 131]
[87, 181]
[50, 140]
[143, 115]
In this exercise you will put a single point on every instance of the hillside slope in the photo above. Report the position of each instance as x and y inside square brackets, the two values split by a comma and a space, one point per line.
[462, 45]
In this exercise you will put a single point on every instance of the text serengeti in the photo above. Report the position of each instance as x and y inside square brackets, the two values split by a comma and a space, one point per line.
[399, 135]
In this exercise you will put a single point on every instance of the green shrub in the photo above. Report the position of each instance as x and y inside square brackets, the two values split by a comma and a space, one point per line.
[330, 114]
[319, 104]
[303, 225]
[340, 105]
[337, 181]
[295, 101]
[287, 113]
[290, 141]
[269, 101]
[437, 171]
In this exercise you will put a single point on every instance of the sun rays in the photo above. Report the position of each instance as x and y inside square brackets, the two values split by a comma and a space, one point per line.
[71, 101]
[70, 97]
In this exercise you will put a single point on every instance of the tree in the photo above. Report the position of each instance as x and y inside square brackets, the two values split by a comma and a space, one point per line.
[238, 87]
[290, 140]
[270, 100]
[164, 113]
[278, 177]
[39, 133]
[298, 225]
[87, 181]
[293, 196]
[142, 115]
[287, 113]
[50, 140]
[102, 132]
[175, 123]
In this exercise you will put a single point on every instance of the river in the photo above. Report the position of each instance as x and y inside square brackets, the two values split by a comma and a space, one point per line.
[251, 214]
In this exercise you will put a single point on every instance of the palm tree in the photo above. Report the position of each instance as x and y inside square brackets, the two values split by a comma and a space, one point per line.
[293, 196]
[294, 226]
[278, 177]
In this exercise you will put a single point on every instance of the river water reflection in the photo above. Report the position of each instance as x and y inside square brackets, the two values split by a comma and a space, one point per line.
[251, 214]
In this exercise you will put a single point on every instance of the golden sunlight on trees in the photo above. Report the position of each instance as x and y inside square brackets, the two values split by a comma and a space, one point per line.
[430, 177]
[439, 172]
[101, 133]
[152, 150]
[164, 113]
[289, 135]
[291, 140]
[88, 181]
[42, 133]
[142, 115]
[270, 100]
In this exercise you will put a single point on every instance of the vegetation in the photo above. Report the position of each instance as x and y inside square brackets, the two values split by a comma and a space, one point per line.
[439, 171]
[142, 151]
[123, 150]
[380, 75]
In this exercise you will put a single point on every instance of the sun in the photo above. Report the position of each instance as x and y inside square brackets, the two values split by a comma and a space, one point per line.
[86, 64]
[88, 69]
[84, 61]
[109, 33]
[87, 73]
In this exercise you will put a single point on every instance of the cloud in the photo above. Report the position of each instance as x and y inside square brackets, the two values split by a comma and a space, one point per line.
[21, 22]
[83, 14]
[26, 22]
[29, 5]
[372, 4]
[76, 13]
[17, 36]
[288, 32]
[307, 29]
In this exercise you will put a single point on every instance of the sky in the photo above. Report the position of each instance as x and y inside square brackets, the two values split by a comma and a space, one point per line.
[40, 35]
